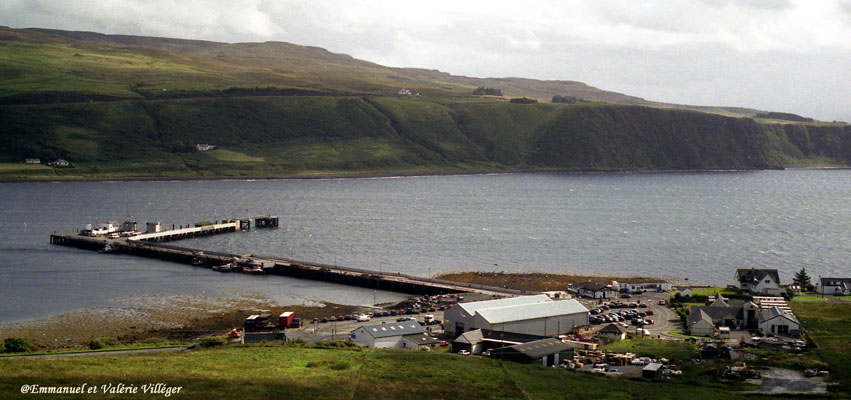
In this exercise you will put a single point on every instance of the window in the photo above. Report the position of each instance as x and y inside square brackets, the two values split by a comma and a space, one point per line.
[782, 329]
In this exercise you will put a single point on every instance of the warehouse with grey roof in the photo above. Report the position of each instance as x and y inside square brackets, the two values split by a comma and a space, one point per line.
[532, 315]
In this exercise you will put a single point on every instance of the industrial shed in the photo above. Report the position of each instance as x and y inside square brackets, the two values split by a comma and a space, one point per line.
[531, 315]
[459, 318]
[392, 335]
[545, 352]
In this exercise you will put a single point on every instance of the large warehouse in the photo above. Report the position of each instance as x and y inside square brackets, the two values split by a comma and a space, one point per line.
[532, 315]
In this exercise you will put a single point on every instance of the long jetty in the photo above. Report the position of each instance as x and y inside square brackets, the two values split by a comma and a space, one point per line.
[151, 245]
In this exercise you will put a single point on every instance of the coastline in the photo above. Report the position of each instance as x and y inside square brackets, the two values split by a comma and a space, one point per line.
[393, 174]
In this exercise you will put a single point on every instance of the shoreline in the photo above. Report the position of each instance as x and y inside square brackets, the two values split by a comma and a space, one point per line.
[182, 318]
[400, 174]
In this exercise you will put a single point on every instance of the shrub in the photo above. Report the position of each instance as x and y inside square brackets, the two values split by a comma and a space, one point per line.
[17, 345]
[102, 343]
[212, 341]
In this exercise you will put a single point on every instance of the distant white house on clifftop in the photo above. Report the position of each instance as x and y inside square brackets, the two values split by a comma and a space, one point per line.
[205, 146]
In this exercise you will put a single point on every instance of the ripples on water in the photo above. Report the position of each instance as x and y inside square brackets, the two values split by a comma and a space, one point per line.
[698, 226]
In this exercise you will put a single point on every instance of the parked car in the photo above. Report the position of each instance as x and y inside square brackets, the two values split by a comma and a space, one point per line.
[626, 296]
[642, 305]
[464, 352]
[332, 318]
[662, 302]
[649, 312]
[324, 319]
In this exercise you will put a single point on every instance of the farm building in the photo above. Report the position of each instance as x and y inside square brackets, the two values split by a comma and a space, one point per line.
[400, 335]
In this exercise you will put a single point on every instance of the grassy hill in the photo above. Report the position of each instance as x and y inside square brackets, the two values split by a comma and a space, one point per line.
[127, 106]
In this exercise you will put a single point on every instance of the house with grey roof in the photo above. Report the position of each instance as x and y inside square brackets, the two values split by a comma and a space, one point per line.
[400, 335]
[834, 286]
[757, 281]
[612, 332]
[700, 323]
[779, 322]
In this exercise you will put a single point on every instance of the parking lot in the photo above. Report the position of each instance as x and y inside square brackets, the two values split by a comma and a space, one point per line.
[664, 319]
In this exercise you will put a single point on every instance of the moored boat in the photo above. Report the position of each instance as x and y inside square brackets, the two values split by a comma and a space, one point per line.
[255, 269]
[229, 267]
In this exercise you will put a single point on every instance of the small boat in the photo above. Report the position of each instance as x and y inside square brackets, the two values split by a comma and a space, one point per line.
[229, 267]
[107, 249]
[197, 261]
[255, 269]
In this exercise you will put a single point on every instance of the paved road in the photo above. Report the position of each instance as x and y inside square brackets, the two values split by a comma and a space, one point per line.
[103, 353]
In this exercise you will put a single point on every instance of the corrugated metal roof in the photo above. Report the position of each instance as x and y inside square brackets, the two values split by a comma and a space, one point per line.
[470, 337]
[394, 329]
[522, 312]
[540, 348]
[474, 306]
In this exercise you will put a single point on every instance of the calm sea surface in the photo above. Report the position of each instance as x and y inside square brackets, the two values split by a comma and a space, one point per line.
[699, 226]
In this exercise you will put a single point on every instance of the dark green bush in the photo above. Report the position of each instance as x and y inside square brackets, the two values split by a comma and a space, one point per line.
[17, 345]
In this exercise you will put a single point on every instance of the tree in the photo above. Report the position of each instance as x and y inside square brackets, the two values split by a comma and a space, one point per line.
[802, 279]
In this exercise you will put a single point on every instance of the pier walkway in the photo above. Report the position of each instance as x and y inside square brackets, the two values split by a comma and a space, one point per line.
[146, 245]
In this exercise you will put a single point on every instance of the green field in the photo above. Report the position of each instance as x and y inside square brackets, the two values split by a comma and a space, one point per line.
[275, 371]
[829, 326]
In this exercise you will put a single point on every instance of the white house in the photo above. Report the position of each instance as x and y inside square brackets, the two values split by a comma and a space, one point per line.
[60, 163]
[205, 146]
[835, 286]
[532, 315]
[779, 322]
[33, 161]
[757, 280]
[684, 291]
[400, 335]
[404, 92]
[596, 291]
[640, 287]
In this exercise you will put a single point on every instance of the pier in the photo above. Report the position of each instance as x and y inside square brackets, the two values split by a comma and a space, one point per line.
[151, 245]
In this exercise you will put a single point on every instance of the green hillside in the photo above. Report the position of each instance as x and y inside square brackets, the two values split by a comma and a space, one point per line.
[125, 106]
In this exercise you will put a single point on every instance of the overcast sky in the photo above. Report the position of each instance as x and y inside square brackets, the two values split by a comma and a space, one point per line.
[779, 55]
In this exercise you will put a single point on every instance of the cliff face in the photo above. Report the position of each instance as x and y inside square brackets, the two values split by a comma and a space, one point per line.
[301, 134]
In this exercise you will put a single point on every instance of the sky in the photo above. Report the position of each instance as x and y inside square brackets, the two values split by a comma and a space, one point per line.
[777, 55]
